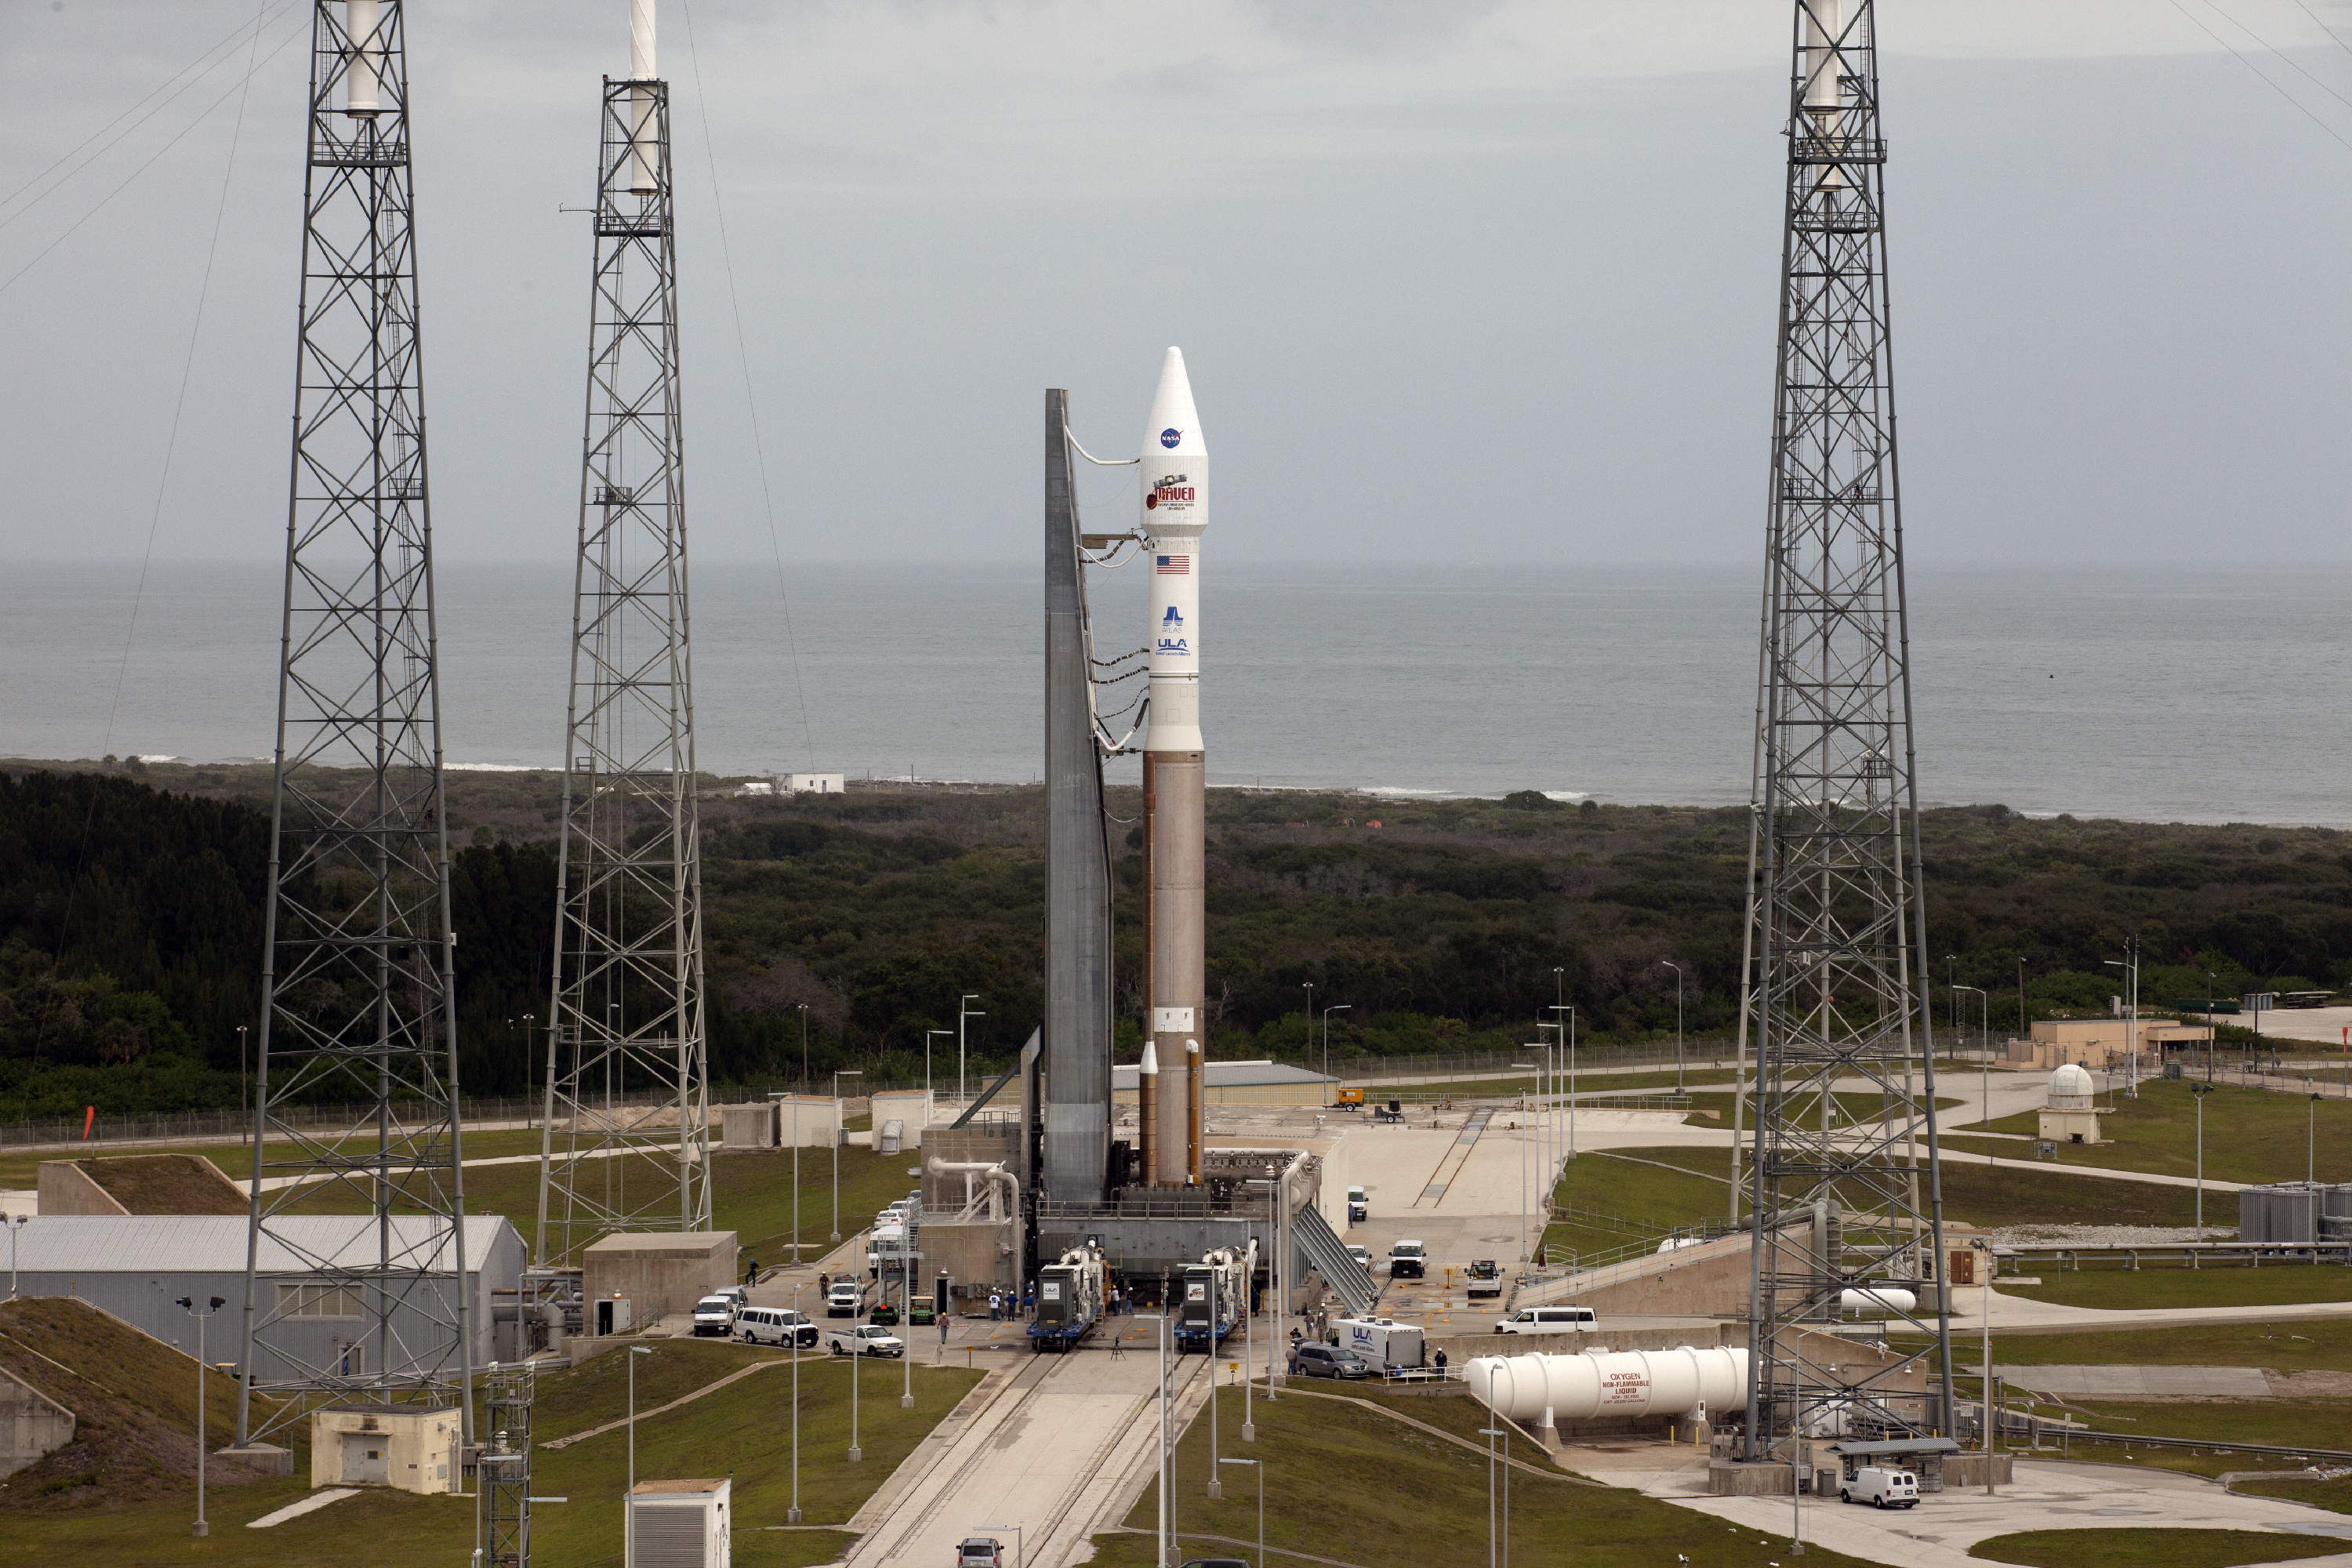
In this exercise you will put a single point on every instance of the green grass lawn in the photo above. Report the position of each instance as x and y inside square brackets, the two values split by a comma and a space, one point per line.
[744, 1429]
[2276, 1423]
[1629, 1183]
[2324, 1345]
[1851, 1108]
[1588, 1086]
[2141, 1548]
[2251, 1135]
[2114, 1289]
[1653, 1201]
[751, 1195]
[2334, 1496]
[1415, 1498]
[235, 1160]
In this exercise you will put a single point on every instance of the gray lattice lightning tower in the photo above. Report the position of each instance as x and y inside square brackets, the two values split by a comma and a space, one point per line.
[626, 1146]
[504, 1466]
[357, 988]
[1836, 924]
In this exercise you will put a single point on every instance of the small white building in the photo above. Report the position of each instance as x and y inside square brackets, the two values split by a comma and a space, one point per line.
[809, 783]
[2072, 1114]
[411, 1448]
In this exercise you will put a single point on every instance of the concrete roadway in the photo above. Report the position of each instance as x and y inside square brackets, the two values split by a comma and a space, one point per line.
[1939, 1532]
[1059, 1447]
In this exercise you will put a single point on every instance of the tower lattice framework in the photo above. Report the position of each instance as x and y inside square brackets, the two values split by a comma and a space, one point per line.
[627, 1142]
[357, 974]
[1836, 924]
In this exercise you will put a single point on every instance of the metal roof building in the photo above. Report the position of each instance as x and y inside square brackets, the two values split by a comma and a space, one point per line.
[137, 1266]
[1259, 1082]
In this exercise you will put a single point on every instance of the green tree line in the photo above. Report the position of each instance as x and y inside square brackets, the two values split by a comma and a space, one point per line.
[131, 910]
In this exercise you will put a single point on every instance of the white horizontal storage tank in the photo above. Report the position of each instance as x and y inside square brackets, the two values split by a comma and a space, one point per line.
[1626, 1383]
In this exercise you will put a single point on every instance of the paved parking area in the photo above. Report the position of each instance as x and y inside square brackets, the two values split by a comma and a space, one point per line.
[1939, 1532]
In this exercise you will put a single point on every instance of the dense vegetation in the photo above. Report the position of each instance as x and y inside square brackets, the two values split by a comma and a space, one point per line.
[131, 919]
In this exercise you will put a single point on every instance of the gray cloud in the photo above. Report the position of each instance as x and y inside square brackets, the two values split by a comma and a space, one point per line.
[1491, 282]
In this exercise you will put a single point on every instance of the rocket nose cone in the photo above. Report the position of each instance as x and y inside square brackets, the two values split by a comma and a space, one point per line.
[1175, 426]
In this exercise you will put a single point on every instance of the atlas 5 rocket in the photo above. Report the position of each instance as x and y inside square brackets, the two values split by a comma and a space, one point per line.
[1174, 484]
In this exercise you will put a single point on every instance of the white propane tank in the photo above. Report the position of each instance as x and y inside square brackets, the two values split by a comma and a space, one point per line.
[1879, 1301]
[1626, 1383]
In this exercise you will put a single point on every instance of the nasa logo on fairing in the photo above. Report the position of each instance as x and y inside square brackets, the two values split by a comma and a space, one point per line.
[1170, 437]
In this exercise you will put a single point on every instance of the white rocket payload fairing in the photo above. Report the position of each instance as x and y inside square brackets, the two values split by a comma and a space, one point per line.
[1174, 478]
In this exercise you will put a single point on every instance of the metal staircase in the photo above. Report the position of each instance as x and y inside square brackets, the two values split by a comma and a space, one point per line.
[1321, 1246]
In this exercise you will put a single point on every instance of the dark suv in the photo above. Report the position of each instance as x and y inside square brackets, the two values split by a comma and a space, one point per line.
[1331, 1360]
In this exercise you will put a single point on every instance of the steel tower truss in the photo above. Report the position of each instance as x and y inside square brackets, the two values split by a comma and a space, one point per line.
[1836, 922]
[357, 983]
[504, 1468]
[626, 1145]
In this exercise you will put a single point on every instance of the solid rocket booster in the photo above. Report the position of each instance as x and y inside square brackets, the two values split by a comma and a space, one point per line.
[1174, 478]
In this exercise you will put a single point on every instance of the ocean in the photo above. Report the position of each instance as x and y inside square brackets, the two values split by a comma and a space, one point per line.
[2160, 694]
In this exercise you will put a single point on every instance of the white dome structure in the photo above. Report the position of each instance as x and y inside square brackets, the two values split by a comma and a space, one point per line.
[2071, 1088]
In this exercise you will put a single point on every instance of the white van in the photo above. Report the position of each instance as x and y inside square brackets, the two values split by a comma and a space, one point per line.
[774, 1326]
[1382, 1342]
[1881, 1487]
[1549, 1320]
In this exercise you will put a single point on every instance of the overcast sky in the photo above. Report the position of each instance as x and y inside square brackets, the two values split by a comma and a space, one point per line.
[1486, 281]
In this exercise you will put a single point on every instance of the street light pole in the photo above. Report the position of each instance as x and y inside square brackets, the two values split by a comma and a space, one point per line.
[929, 1036]
[2129, 964]
[857, 1454]
[2199, 1091]
[2311, 1140]
[1261, 1504]
[1164, 1558]
[794, 1517]
[1678, 1023]
[16, 1224]
[1342, 1007]
[1020, 1549]
[962, 1012]
[1570, 1010]
[635, 1352]
[204, 1439]
[1984, 1060]
[839, 1121]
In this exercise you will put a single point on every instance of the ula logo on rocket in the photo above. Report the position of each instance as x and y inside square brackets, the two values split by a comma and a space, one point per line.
[1171, 634]
[1170, 437]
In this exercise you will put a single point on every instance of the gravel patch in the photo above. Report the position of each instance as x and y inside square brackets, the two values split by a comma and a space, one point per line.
[2108, 1234]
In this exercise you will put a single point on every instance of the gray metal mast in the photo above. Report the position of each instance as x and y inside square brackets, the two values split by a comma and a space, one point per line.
[627, 1142]
[1077, 855]
[358, 980]
[1837, 922]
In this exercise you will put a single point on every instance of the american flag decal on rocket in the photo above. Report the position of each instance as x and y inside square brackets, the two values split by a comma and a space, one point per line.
[1175, 566]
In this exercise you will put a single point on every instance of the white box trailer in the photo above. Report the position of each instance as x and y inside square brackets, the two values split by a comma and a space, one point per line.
[1383, 1342]
[680, 1524]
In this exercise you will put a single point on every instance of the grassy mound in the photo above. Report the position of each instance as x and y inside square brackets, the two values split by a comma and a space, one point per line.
[167, 1184]
[2140, 1548]
[2336, 1495]
[1422, 1499]
[134, 1405]
[2117, 1288]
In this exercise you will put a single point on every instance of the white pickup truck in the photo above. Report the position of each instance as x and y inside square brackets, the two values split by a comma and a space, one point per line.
[863, 1338]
